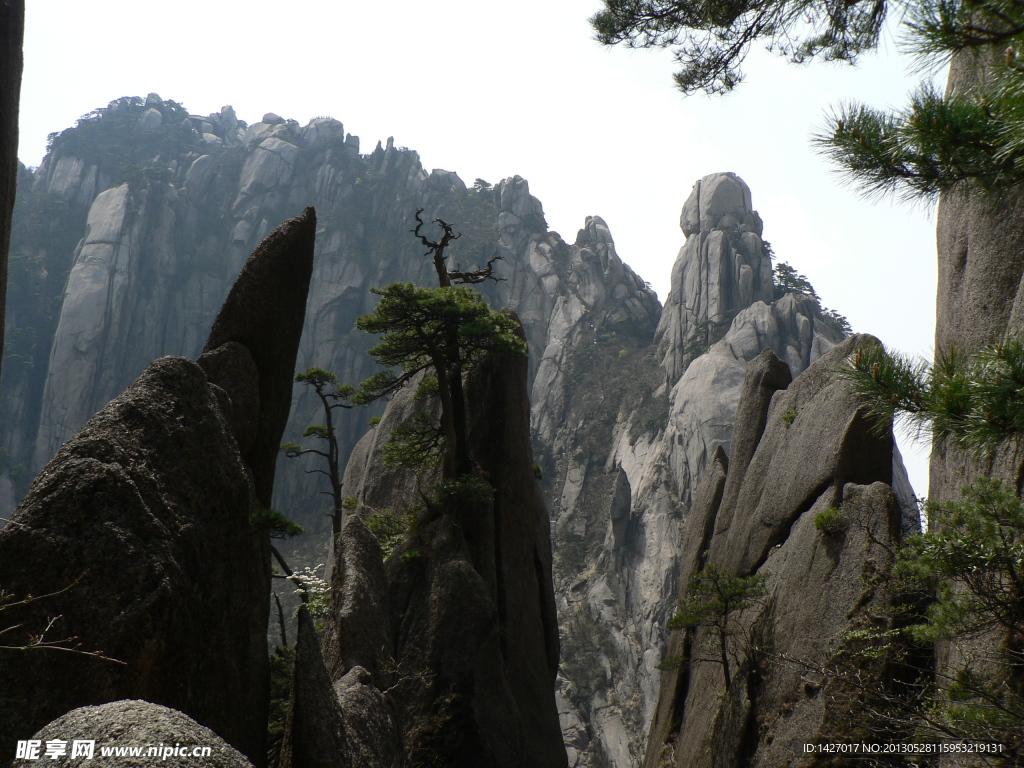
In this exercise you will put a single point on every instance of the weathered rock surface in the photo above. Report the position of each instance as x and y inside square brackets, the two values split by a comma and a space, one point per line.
[758, 517]
[724, 266]
[130, 528]
[140, 724]
[469, 652]
[275, 276]
[980, 283]
[170, 261]
[980, 298]
[140, 535]
[344, 722]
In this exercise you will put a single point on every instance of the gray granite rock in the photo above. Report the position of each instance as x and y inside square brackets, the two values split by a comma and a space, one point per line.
[140, 535]
[135, 724]
[142, 522]
[264, 312]
[358, 630]
[619, 455]
[759, 518]
[722, 268]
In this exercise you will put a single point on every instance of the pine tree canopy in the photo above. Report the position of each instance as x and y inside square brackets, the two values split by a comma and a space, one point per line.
[930, 146]
[438, 328]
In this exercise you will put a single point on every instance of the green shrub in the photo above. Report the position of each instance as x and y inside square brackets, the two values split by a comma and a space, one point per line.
[464, 494]
[275, 523]
[831, 522]
[389, 528]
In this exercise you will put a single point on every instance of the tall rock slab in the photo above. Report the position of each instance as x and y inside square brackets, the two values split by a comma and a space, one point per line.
[456, 637]
[980, 299]
[723, 267]
[143, 533]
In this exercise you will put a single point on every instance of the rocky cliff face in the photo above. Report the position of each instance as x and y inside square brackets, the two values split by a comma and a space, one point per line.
[138, 253]
[128, 236]
[634, 419]
[143, 535]
[980, 298]
[800, 450]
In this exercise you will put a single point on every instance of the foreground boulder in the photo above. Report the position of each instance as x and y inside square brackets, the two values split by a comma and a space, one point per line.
[128, 724]
[448, 653]
[143, 535]
[802, 455]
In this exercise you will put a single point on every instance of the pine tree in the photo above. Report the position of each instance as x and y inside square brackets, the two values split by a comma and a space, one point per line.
[443, 333]
[933, 144]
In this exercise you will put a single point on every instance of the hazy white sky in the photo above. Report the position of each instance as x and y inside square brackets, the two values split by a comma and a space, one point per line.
[490, 89]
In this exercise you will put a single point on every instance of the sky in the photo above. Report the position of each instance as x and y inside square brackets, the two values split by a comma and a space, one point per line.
[493, 89]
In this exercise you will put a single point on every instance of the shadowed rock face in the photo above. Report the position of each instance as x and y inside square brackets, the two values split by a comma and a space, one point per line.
[459, 628]
[143, 518]
[12, 31]
[756, 515]
[133, 723]
[138, 533]
[264, 312]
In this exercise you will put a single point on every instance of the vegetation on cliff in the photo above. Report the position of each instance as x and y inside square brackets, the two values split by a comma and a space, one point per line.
[120, 142]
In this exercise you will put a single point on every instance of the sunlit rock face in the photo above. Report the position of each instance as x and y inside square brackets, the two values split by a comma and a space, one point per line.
[640, 416]
[723, 267]
[801, 446]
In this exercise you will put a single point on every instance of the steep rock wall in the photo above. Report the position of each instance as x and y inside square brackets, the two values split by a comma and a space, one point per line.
[140, 544]
[138, 258]
[628, 402]
[799, 449]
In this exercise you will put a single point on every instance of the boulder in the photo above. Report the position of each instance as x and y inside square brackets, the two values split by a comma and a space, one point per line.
[133, 724]
[137, 535]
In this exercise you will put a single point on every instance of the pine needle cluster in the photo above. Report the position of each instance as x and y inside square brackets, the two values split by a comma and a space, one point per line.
[977, 401]
[932, 145]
